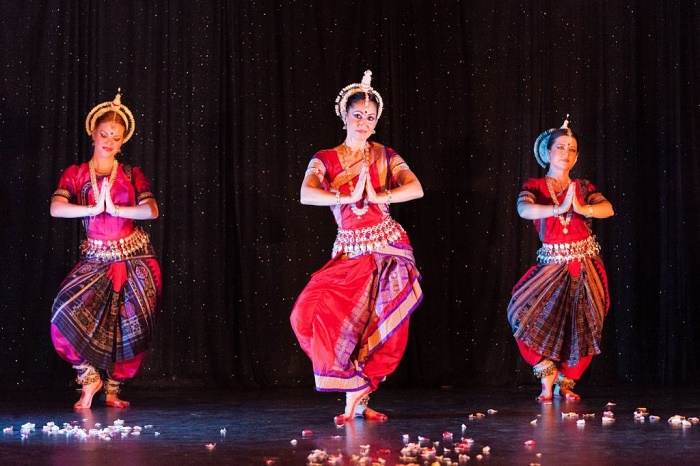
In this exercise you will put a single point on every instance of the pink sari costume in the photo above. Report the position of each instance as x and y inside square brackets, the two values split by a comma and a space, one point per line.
[558, 306]
[352, 317]
[104, 312]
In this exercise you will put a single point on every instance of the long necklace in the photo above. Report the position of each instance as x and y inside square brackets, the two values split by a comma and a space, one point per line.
[564, 220]
[93, 178]
[358, 211]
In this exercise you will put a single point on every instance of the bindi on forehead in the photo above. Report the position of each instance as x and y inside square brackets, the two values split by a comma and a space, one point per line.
[111, 129]
[364, 106]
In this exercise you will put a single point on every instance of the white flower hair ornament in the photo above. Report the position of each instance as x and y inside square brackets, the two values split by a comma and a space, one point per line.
[542, 141]
[365, 86]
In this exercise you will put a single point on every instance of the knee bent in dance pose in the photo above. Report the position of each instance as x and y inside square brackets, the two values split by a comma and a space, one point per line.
[352, 317]
[103, 316]
[558, 307]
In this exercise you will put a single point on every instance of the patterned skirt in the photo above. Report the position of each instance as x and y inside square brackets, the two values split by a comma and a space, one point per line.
[349, 311]
[558, 310]
[106, 311]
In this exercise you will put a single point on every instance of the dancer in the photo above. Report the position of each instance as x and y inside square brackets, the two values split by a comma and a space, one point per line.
[351, 319]
[558, 306]
[103, 315]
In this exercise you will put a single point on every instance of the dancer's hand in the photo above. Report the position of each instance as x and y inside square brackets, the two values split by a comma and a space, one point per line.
[371, 193]
[359, 190]
[570, 196]
[99, 206]
[109, 204]
[581, 208]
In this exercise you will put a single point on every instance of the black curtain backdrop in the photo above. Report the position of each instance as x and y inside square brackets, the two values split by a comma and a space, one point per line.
[233, 98]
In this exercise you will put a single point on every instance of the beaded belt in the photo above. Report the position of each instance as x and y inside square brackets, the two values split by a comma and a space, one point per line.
[137, 243]
[365, 240]
[562, 253]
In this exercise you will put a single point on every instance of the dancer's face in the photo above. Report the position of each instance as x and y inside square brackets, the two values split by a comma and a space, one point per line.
[563, 153]
[361, 119]
[108, 138]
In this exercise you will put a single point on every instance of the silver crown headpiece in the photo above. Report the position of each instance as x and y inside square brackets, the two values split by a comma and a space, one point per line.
[341, 101]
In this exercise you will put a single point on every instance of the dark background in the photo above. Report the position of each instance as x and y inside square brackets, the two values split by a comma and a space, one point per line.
[232, 99]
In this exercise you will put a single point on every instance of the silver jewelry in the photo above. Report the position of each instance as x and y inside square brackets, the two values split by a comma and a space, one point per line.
[363, 86]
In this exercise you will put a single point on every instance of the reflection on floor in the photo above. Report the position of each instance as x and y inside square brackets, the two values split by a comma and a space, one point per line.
[266, 428]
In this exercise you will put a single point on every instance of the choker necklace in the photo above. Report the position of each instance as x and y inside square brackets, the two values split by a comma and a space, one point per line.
[93, 178]
[563, 220]
[558, 191]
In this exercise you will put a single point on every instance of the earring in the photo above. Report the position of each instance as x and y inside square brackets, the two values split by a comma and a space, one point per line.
[374, 131]
[345, 126]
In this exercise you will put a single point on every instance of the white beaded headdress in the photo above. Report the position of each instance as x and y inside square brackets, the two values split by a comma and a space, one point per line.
[542, 141]
[341, 102]
[113, 106]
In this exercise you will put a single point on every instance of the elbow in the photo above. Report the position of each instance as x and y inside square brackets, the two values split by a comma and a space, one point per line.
[610, 211]
[53, 209]
[417, 189]
[153, 211]
[304, 198]
[524, 210]
[419, 192]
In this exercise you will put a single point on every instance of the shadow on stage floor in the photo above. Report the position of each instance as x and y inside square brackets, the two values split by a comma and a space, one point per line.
[266, 428]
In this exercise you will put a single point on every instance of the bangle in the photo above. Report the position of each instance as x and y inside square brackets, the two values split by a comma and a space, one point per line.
[116, 211]
[590, 210]
[337, 198]
[555, 211]
[388, 196]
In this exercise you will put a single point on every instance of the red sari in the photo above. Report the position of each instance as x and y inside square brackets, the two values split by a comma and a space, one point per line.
[104, 312]
[352, 317]
[559, 305]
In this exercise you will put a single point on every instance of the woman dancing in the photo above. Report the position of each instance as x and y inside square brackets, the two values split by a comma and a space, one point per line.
[351, 319]
[103, 315]
[558, 306]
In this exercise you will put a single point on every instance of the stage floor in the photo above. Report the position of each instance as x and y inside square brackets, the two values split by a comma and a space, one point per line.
[261, 427]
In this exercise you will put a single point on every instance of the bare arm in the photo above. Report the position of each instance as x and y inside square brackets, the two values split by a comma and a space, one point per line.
[312, 193]
[61, 207]
[528, 209]
[599, 207]
[409, 189]
[146, 210]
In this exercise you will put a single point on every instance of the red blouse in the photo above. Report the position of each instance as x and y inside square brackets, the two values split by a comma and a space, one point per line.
[383, 172]
[550, 229]
[75, 186]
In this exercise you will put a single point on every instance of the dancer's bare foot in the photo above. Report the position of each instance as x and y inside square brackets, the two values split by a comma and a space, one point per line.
[86, 395]
[547, 383]
[565, 388]
[112, 395]
[372, 415]
[351, 401]
[569, 395]
[113, 401]
[546, 371]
